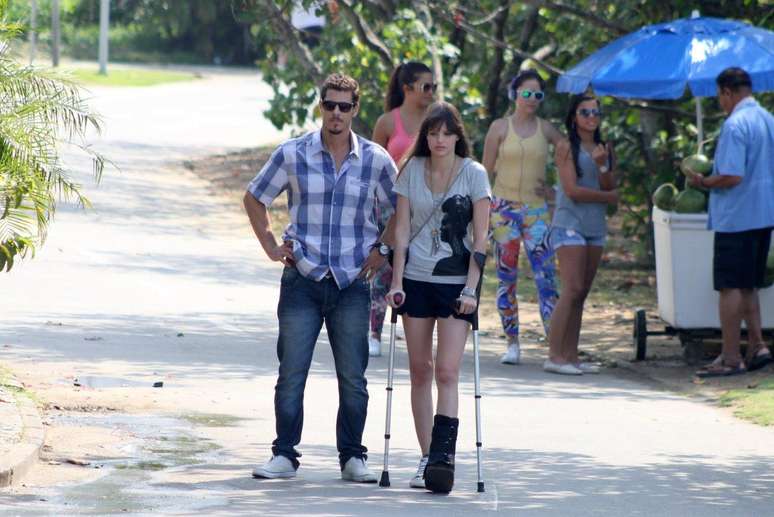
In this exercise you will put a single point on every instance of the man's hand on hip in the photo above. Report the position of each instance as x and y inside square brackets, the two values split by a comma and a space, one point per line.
[282, 253]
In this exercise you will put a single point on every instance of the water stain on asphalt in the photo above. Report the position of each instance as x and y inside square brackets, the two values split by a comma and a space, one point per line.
[102, 382]
[128, 483]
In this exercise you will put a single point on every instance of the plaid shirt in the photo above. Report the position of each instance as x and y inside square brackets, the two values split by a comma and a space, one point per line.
[332, 215]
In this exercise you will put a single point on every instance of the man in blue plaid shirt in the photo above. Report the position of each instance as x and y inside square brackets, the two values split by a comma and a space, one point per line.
[334, 180]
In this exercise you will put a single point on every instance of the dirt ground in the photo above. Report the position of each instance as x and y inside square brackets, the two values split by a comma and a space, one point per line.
[622, 286]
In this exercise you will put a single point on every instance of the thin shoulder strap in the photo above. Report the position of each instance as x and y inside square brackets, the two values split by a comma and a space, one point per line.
[398, 121]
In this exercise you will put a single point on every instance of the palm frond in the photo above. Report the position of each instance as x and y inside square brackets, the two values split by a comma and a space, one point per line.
[40, 111]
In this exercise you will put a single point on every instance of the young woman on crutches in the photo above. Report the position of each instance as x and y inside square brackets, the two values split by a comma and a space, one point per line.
[440, 240]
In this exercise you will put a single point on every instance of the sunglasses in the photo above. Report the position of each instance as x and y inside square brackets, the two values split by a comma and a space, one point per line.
[526, 94]
[586, 113]
[428, 87]
[344, 107]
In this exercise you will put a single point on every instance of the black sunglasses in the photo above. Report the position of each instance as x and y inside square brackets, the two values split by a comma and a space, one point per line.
[344, 107]
[586, 113]
[428, 87]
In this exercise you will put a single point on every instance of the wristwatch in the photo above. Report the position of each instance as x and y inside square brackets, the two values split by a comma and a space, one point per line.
[382, 248]
[468, 291]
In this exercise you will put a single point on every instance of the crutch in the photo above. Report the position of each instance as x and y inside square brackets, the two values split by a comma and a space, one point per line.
[385, 479]
[480, 259]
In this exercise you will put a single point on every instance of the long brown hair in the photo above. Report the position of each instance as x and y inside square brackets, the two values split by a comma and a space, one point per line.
[439, 114]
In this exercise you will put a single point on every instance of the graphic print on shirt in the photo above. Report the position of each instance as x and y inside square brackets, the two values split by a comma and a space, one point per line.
[457, 215]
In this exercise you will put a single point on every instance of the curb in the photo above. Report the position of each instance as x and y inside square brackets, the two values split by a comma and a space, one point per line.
[15, 464]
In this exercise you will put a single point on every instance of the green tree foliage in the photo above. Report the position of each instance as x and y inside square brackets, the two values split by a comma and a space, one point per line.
[200, 31]
[38, 111]
[480, 45]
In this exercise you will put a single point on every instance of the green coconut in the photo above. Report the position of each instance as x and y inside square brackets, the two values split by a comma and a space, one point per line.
[690, 201]
[697, 163]
[664, 196]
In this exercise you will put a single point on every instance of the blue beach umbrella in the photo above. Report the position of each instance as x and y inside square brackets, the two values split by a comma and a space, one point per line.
[660, 61]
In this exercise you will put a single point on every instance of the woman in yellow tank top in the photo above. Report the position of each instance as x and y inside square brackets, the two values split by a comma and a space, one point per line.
[516, 155]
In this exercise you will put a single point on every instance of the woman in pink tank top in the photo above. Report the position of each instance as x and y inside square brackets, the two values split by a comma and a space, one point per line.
[410, 91]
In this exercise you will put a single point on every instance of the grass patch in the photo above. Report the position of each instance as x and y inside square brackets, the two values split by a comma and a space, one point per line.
[755, 403]
[143, 465]
[212, 419]
[129, 77]
[14, 387]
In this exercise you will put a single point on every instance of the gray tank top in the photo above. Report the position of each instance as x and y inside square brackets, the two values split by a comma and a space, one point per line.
[588, 219]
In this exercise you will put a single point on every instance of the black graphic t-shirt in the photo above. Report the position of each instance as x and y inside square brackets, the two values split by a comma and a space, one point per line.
[451, 223]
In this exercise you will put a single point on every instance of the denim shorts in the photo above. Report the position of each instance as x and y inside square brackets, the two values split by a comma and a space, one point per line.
[566, 237]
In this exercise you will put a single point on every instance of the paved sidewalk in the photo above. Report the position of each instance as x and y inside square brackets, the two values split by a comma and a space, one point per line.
[163, 280]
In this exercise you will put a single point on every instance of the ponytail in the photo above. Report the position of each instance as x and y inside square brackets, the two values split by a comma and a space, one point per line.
[404, 74]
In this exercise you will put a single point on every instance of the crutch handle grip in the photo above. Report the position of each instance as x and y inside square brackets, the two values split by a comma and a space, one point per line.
[398, 298]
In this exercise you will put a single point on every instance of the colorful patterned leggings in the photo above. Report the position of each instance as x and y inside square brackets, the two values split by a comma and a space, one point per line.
[380, 286]
[512, 224]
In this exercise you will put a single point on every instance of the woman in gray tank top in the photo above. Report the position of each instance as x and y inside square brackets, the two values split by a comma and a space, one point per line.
[587, 185]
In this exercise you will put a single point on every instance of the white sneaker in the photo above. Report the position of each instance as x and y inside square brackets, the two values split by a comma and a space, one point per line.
[374, 347]
[512, 355]
[418, 481]
[561, 369]
[355, 469]
[588, 368]
[276, 467]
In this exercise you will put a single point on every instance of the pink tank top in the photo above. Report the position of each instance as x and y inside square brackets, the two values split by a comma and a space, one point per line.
[399, 141]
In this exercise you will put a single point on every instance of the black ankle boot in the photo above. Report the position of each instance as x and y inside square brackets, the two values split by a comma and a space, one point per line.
[439, 473]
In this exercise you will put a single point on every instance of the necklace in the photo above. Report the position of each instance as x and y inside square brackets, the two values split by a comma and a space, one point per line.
[435, 232]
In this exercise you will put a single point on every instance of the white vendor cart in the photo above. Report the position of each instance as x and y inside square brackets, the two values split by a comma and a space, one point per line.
[687, 303]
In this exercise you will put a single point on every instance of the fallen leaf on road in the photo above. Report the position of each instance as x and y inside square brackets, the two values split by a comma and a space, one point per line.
[80, 463]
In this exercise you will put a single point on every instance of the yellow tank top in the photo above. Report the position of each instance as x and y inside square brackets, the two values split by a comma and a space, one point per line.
[521, 166]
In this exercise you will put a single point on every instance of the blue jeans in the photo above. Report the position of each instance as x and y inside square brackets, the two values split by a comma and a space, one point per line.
[303, 306]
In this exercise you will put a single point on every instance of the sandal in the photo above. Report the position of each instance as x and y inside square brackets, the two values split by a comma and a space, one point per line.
[761, 357]
[721, 370]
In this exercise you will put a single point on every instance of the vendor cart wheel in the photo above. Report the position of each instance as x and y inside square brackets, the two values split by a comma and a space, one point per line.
[640, 334]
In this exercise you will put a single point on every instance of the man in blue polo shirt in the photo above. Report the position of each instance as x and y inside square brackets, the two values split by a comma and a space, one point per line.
[741, 212]
[334, 179]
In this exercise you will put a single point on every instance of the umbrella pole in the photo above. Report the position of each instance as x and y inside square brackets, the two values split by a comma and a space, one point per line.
[699, 125]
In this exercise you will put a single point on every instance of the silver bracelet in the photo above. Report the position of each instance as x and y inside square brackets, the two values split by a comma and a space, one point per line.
[468, 291]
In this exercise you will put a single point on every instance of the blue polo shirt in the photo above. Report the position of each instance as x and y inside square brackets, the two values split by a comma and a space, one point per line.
[745, 148]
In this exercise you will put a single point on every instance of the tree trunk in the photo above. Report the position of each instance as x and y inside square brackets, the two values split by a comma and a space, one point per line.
[33, 29]
[493, 93]
[104, 23]
[527, 30]
[649, 126]
[55, 33]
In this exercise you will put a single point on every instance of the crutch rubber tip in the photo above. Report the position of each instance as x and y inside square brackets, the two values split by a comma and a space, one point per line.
[480, 487]
[385, 480]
